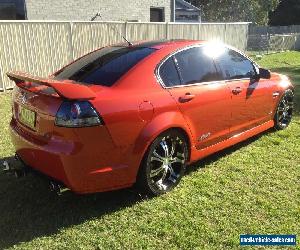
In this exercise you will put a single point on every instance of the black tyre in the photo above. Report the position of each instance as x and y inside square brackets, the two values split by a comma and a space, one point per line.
[284, 112]
[164, 163]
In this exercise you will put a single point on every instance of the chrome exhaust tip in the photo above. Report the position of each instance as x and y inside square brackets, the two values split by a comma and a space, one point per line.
[6, 166]
[57, 188]
[15, 167]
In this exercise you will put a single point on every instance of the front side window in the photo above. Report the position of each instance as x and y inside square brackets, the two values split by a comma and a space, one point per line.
[234, 65]
[104, 66]
[196, 66]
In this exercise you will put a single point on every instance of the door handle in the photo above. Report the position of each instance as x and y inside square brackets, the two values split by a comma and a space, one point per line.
[237, 90]
[187, 97]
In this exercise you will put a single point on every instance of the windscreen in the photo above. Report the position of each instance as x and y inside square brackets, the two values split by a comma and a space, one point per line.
[104, 66]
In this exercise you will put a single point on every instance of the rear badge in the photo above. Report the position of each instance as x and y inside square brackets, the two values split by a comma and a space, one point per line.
[23, 98]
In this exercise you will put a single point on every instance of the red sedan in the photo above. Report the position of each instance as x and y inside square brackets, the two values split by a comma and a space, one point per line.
[141, 113]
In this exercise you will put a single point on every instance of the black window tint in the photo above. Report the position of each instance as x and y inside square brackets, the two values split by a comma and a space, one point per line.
[169, 73]
[105, 66]
[235, 65]
[195, 66]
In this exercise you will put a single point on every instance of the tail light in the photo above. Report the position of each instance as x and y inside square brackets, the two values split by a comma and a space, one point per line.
[77, 114]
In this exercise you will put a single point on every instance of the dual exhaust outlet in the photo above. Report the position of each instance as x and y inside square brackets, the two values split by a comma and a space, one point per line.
[17, 168]
[57, 188]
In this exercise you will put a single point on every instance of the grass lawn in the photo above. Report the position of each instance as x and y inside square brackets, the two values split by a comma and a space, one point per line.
[251, 188]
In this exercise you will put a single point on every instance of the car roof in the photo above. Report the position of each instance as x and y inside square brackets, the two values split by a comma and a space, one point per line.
[158, 44]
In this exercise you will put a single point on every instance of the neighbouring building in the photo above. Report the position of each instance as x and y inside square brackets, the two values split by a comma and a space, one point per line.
[185, 12]
[85, 10]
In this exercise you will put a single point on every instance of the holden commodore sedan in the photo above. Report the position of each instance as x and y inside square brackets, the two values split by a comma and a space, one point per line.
[140, 113]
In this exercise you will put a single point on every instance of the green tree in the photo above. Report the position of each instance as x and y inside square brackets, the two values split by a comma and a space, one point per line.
[286, 13]
[255, 11]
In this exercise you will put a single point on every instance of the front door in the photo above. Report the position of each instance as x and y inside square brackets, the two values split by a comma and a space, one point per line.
[251, 102]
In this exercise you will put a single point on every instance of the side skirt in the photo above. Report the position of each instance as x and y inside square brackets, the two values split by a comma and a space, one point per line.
[196, 155]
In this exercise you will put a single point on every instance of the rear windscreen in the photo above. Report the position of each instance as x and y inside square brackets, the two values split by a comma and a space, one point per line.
[104, 66]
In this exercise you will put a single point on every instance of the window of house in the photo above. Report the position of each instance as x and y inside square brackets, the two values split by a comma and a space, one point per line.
[8, 11]
[157, 14]
[12, 10]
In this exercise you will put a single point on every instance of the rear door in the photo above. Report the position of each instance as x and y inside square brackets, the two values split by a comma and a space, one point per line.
[203, 98]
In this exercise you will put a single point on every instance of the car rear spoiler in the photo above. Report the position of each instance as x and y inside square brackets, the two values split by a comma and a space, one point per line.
[64, 88]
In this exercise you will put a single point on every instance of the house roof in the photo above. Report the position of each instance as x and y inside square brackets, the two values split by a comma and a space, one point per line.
[184, 5]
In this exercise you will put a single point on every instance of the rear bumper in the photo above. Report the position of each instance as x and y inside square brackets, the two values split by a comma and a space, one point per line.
[85, 160]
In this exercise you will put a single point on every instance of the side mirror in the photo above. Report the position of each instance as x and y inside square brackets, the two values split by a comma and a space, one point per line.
[264, 73]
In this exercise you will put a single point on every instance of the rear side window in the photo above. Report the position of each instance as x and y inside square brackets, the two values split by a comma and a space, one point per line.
[169, 73]
[104, 66]
[234, 65]
[196, 66]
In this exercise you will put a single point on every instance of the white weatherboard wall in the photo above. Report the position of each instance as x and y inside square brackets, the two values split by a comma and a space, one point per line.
[40, 48]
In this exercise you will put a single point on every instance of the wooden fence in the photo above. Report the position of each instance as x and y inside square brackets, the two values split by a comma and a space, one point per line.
[41, 47]
[274, 38]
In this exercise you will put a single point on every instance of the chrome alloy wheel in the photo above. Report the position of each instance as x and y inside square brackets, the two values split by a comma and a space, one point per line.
[285, 110]
[166, 163]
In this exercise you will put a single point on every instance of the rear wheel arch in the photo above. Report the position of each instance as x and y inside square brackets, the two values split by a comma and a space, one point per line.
[157, 126]
[180, 130]
[147, 143]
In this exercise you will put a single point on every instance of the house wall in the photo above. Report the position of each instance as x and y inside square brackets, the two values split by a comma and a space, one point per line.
[84, 10]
